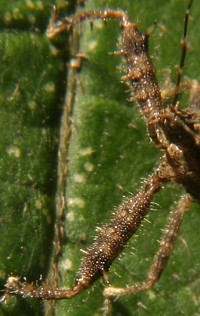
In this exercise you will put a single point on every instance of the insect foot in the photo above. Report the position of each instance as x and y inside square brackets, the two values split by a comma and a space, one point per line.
[109, 244]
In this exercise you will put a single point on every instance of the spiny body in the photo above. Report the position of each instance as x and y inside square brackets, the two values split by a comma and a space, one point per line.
[173, 130]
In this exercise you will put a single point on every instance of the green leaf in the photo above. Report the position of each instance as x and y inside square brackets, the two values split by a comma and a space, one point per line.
[31, 86]
[104, 154]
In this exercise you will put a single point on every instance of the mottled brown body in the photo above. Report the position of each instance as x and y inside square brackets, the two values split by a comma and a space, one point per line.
[173, 130]
[140, 71]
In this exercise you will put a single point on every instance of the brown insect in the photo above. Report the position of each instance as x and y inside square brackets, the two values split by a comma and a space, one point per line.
[173, 130]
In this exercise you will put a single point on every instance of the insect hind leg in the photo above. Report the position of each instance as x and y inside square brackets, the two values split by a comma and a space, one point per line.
[161, 258]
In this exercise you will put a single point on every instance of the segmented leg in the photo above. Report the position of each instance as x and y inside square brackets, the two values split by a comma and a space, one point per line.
[171, 129]
[109, 244]
[162, 256]
[183, 54]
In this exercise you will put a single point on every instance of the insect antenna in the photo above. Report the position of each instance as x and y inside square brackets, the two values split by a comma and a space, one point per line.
[183, 54]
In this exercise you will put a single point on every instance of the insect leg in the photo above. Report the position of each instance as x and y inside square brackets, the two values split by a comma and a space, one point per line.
[162, 256]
